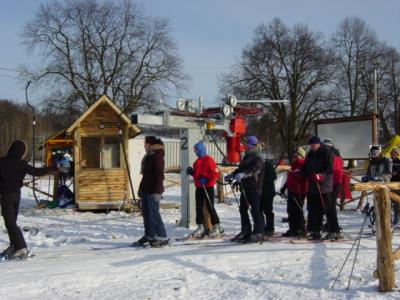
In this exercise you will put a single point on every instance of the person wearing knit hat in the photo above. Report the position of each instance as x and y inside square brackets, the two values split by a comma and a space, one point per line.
[297, 190]
[13, 169]
[301, 152]
[315, 140]
[249, 176]
[394, 154]
[251, 142]
[317, 169]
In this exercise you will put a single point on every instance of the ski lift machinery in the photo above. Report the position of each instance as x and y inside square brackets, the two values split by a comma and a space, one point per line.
[193, 123]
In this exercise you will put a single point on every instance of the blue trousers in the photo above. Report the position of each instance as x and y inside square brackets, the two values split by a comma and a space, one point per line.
[153, 223]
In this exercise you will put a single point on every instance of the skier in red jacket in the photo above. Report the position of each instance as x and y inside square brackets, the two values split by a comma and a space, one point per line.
[205, 175]
[297, 191]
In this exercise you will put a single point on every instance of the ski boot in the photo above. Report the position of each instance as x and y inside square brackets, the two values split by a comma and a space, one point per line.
[242, 237]
[300, 233]
[7, 252]
[333, 236]
[158, 243]
[315, 236]
[143, 241]
[289, 233]
[216, 231]
[257, 238]
[199, 232]
[19, 254]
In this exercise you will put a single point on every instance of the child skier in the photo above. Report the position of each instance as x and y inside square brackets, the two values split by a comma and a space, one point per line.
[297, 190]
[205, 175]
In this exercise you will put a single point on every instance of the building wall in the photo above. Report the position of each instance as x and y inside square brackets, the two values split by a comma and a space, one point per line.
[172, 156]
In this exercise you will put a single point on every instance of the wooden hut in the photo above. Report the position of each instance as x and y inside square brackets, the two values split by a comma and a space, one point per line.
[100, 173]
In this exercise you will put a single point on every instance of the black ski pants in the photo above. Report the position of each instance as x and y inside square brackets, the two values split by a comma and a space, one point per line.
[201, 196]
[251, 198]
[295, 212]
[317, 205]
[267, 211]
[9, 210]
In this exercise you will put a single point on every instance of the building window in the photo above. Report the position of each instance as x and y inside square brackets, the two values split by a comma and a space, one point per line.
[111, 157]
[100, 152]
[91, 147]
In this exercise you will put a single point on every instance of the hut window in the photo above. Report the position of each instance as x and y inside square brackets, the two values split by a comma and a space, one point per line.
[111, 153]
[91, 152]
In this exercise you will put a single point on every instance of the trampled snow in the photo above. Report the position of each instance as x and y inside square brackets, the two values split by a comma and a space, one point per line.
[84, 255]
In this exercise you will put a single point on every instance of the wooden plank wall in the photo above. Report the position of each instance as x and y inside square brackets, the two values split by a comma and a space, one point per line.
[104, 115]
[101, 185]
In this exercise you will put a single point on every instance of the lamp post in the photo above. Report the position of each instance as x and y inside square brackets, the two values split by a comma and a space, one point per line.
[376, 137]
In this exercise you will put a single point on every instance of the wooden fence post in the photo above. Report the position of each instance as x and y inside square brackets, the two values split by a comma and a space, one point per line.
[385, 263]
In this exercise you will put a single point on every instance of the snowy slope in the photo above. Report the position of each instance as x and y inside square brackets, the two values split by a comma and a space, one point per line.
[84, 256]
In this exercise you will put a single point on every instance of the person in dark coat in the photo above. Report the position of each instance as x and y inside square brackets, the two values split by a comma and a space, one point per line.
[337, 172]
[150, 189]
[297, 191]
[267, 198]
[394, 154]
[249, 176]
[205, 175]
[13, 169]
[379, 167]
[317, 169]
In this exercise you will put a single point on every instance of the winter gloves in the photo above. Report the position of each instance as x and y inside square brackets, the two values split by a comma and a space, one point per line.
[318, 177]
[235, 177]
[203, 181]
[190, 171]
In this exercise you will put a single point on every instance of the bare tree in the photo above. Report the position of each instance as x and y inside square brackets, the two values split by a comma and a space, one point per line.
[355, 46]
[90, 48]
[286, 63]
[388, 91]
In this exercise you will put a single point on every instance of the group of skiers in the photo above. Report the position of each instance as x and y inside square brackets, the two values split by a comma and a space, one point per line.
[316, 176]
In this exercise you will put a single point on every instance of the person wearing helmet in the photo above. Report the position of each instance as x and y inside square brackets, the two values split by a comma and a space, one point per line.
[379, 168]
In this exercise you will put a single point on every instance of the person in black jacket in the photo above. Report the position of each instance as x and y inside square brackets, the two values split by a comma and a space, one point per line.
[317, 169]
[249, 176]
[13, 169]
[394, 154]
[267, 198]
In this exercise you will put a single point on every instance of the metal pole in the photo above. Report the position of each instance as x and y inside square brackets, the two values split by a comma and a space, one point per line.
[376, 137]
[33, 138]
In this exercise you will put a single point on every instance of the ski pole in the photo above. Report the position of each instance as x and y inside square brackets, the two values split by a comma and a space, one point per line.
[351, 249]
[244, 194]
[127, 167]
[320, 195]
[208, 197]
[355, 256]
[234, 195]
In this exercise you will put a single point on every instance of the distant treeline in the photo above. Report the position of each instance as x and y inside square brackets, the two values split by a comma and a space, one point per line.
[16, 123]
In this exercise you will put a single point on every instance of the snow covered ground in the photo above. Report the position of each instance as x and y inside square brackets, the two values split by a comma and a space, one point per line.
[83, 255]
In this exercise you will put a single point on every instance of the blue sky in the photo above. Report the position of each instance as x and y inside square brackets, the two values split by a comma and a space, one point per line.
[210, 34]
